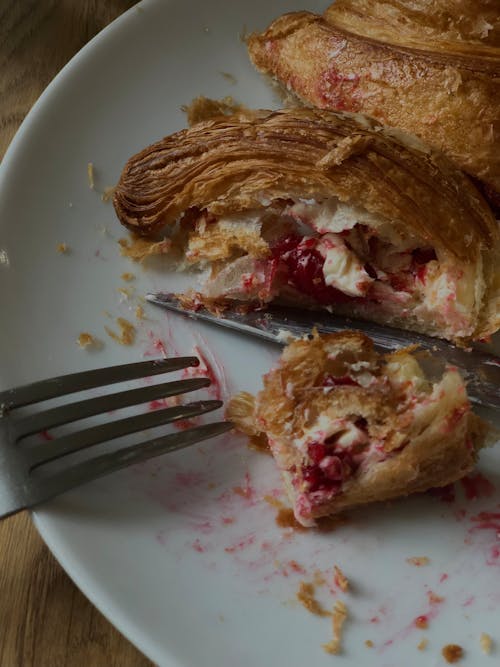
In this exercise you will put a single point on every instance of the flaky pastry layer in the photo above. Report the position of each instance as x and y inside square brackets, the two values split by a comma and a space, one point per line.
[407, 68]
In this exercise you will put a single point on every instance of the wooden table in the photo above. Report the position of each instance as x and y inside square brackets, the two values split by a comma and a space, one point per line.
[44, 619]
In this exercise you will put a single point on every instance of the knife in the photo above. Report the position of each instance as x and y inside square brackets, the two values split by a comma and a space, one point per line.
[278, 324]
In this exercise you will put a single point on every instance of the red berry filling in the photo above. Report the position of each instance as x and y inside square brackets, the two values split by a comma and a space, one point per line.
[328, 470]
[330, 465]
[304, 269]
[344, 380]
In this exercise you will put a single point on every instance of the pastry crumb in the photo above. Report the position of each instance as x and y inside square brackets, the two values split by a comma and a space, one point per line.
[127, 277]
[127, 332]
[203, 108]
[305, 595]
[418, 561]
[339, 579]
[86, 339]
[240, 410]
[434, 599]
[230, 78]
[62, 248]
[274, 502]
[108, 192]
[368, 643]
[285, 518]
[125, 292]
[486, 643]
[90, 175]
[139, 313]
[339, 616]
[422, 645]
[138, 249]
[259, 443]
[318, 578]
[452, 653]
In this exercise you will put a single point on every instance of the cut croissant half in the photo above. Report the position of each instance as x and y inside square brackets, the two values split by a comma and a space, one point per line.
[348, 426]
[325, 210]
[430, 68]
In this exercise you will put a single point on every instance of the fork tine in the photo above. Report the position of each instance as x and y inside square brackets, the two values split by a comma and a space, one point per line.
[104, 432]
[68, 384]
[53, 485]
[65, 414]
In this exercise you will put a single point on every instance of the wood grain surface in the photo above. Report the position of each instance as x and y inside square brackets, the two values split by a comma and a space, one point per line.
[45, 621]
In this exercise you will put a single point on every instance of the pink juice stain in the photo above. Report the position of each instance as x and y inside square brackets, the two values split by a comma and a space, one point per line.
[488, 521]
[205, 369]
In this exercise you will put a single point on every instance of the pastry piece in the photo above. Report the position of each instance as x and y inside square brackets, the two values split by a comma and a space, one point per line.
[329, 210]
[430, 68]
[348, 426]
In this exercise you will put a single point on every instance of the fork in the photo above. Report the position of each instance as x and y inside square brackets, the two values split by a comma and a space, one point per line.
[23, 480]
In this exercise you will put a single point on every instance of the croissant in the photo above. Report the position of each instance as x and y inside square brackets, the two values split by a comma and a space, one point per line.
[329, 210]
[348, 426]
[430, 68]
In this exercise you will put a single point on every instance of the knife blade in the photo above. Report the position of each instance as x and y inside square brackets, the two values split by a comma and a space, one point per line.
[279, 324]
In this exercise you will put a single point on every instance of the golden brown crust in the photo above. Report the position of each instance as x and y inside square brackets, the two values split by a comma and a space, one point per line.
[443, 30]
[428, 433]
[448, 97]
[228, 165]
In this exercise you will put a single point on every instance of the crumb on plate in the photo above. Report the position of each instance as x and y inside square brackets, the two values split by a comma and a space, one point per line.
[126, 292]
[274, 502]
[139, 313]
[127, 276]
[127, 332]
[230, 78]
[86, 339]
[305, 595]
[339, 616]
[318, 578]
[90, 175]
[108, 192]
[259, 443]
[368, 643]
[339, 579]
[486, 643]
[62, 248]
[203, 108]
[452, 653]
[422, 645]
[418, 561]
[285, 518]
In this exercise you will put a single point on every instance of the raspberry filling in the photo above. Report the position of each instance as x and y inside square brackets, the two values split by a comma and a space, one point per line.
[303, 265]
[329, 464]
[328, 470]
[304, 269]
[345, 380]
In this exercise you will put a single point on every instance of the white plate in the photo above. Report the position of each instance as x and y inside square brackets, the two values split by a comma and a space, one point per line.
[194, 573]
